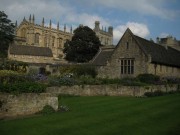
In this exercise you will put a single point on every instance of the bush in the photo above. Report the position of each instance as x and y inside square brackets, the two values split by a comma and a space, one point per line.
[62, 81]
[78, 70]
[47, 110]
[154, 94]
[148, 78]
[23, 87]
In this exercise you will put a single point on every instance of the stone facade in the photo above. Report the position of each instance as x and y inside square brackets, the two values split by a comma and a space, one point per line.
[25, 104]
[169, 41]
[134, 55]
[29, 33]
[106, 37]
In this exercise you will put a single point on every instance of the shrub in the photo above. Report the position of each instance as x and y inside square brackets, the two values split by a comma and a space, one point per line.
[154, 94]
[47, 110]
[148, 78]
[23, 87]
[148, 94]
[61, 81]
[78, 70]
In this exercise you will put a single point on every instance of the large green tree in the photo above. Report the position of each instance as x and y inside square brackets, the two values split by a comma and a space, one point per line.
[83, 46]
[6, 33]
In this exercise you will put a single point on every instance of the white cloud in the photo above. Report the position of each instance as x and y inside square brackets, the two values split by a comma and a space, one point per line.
[146, 7]
[137, 29]
[54, 10]
[163, 35]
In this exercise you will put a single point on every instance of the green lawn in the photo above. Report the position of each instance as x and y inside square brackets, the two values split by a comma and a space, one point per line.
[104, 116]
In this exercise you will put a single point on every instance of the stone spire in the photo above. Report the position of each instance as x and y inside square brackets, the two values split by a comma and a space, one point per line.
[30, 18]
[58, 26]
[43, 22]
[50, 24]
[16, 24]
[64, 27]
[71, 29]
[24, 19]
[33, 19]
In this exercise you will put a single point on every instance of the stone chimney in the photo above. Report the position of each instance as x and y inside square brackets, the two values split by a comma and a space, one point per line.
[97, 26]
[110, 30]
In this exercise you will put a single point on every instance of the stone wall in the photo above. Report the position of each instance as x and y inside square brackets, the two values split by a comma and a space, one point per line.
[109, 90]
[25, 104]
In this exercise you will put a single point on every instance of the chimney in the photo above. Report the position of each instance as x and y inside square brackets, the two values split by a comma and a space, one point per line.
[33, 19]
[97, 23]
[43, 22]
[157, 40]
[110, 30]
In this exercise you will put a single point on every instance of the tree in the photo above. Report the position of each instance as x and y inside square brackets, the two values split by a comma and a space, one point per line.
[83, 46]
[7, 29]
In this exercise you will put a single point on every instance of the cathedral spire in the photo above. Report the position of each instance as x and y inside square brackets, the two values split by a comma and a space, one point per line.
[43, 22]
[24, 19]
[58, 26]
[50, 24]
[71, 29]
[64, 27]
[30, 18]
[16, 24]
[33, 19]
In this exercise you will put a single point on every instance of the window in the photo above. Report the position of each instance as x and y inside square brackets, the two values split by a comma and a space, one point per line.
[37, 38]
[59, 43]
[45, 41]
[23, 33]
[127, 45]
[53, 41]
[127, 66]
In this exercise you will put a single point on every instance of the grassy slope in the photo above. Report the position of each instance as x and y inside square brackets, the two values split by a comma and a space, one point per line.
[104, 116]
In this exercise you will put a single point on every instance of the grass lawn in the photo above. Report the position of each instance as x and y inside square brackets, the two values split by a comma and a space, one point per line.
[104, 116]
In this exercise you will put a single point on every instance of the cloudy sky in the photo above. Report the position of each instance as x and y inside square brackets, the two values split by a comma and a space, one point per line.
[146, 18]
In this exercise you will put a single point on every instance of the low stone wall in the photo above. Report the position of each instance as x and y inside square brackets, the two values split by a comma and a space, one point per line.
[25, 104]
[109, 90]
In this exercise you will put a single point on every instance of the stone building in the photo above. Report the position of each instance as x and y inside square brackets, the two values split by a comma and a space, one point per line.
[134, 55]
[31, 34]
[106, 37]
[40, 36]
[169, 41]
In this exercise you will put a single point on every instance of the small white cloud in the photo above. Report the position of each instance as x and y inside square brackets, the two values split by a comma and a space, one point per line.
[163, 35]
[139, 29]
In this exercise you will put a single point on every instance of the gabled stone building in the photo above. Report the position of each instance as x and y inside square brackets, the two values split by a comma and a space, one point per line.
[134, 55]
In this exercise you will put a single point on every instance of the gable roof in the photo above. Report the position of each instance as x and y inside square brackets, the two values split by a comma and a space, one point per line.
[30, 50]
[159, 54]
[102, 56]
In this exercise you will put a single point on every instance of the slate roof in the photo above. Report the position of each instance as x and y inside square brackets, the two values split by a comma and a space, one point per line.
[102, 56]
[30, 50]
[159, 54]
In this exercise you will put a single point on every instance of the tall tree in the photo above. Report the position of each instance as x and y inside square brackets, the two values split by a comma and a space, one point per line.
[83, 46]
[7, 29]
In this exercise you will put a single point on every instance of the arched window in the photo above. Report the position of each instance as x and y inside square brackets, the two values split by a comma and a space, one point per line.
[46, 41]
[53, 41]
[23, 33]
[37, 38]
[59, 43]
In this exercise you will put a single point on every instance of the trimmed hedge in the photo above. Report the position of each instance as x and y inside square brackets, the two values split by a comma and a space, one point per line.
[23, 87]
